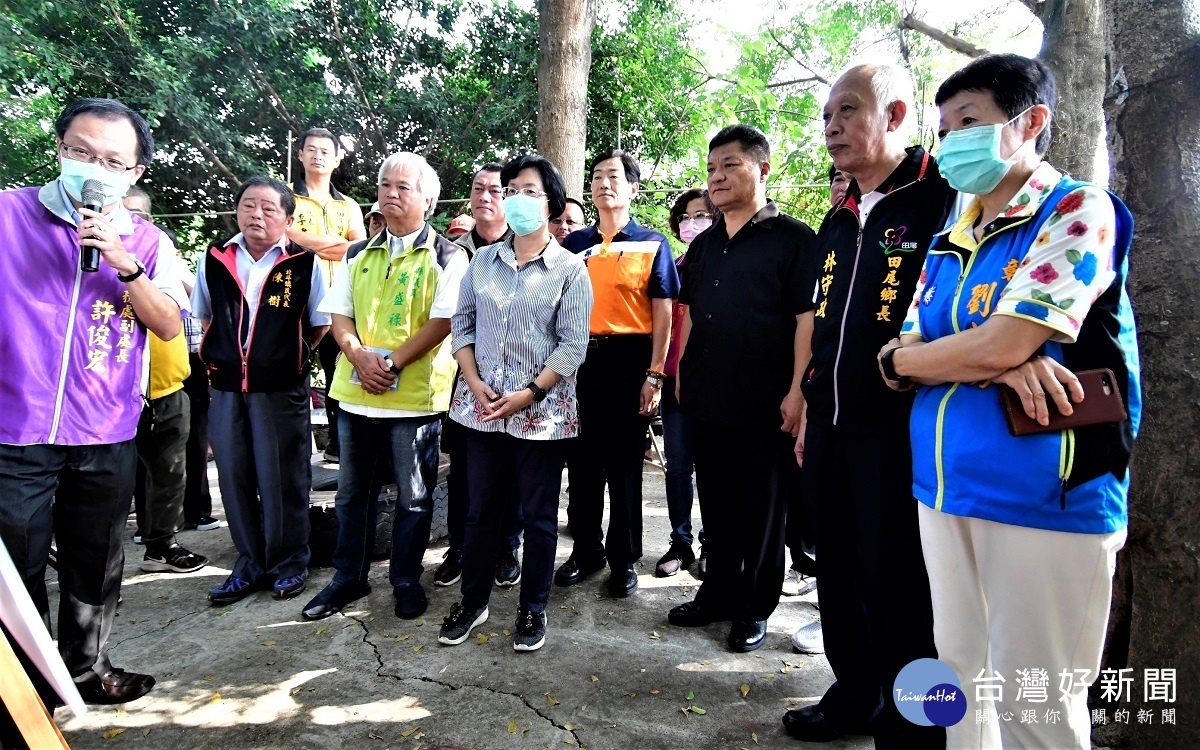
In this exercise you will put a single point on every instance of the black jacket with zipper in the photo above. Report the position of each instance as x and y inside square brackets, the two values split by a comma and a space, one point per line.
[866, 279]
[278, 353]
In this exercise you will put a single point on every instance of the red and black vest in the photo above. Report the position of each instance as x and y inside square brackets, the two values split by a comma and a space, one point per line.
[277, 355]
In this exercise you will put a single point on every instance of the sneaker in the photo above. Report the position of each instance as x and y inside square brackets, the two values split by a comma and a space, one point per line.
[678, 557]
[450, 571]
[809, 639]
[173, 559]
[234, 589]
[286, 588]
[508, 569]
[531, 630]
[204, 523]
[457, 626]
[796, 583]
[137, 537]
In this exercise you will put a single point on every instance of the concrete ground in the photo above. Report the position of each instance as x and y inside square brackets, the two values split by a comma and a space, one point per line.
[613, 675]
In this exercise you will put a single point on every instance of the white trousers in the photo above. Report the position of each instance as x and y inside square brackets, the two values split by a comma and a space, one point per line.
[1012, 600]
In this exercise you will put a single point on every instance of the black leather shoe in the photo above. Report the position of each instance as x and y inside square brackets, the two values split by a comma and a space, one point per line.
[811, 725]
[332, 598]
[746, 635]
[694, 615]
[678, 557]
[575, 570]
[411, 601]
[115, 686]
[623, 582]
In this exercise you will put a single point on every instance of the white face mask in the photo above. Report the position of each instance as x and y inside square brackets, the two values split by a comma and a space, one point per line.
[74, 173]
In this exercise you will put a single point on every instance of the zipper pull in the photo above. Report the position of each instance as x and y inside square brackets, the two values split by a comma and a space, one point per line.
[1062, 498]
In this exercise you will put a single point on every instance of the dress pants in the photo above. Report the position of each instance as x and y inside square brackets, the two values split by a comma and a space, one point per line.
[327, 354]
[1010, 598]
[374, 450]
[161, 442]
[744, 476]
[503, 470]
[454, 445]
[80, 494]
[197, 499]
[262, 443]
[873, 591]
[610, 450]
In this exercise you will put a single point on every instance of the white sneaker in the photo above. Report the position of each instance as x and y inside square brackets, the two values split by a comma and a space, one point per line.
[796, 583]
[809, 639]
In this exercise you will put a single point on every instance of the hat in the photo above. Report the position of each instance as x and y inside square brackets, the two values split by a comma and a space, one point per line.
[460, 226]
[374, 210]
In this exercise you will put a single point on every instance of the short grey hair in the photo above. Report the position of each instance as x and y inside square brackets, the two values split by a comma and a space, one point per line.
[889, 83]
[428, 183]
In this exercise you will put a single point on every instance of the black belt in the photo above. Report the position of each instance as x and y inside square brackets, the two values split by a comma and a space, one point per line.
[596, 341]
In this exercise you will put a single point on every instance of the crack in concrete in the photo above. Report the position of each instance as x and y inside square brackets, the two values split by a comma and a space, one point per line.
[170, 621]
[452, 686]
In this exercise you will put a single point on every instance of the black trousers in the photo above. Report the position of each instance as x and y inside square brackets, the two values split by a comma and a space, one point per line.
[503, 471]
[197, 498]
[162, 470]
[327, 354]
[80, 494]
[873, 590]
[609, 450]
[745, 477]
[454, 445]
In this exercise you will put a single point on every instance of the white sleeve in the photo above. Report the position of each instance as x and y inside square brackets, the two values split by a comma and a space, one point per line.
[166, 274]
[445, 294]
[339, 299]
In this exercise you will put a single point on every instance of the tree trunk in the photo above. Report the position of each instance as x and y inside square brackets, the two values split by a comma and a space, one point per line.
[564, 60]
[1073, 45]
[1153, 109]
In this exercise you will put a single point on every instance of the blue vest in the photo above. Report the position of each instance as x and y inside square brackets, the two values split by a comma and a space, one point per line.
[965, 462]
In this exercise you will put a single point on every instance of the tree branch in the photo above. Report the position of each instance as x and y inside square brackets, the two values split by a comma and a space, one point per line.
[362, 94]
[211, 155]
[1035, 6]
[810, 79]
[947, 40]
[799, 61]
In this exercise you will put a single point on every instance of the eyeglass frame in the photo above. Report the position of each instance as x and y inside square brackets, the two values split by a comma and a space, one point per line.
[699, 216]
[103, 161]
[525, 191]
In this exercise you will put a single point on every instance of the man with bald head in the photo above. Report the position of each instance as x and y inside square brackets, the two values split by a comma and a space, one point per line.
[856, 454]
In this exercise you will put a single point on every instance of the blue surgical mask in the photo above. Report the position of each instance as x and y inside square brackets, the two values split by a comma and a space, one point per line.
[524, 214]
[74, 173]
[970, 159]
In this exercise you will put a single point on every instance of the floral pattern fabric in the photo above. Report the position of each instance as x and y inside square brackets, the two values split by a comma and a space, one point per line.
[1066, 270]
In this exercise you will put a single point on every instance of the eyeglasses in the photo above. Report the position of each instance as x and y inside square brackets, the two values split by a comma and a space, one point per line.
[528, 192]
[82, 154]
[560, 222]
[698, 216]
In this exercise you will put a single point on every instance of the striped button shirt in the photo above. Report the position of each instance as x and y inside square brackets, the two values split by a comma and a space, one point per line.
[519, 321]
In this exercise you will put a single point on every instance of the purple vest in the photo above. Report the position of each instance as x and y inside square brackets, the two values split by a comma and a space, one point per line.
[71, 349]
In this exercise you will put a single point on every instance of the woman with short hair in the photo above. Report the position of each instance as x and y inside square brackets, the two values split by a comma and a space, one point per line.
[1020, 527]
[519, 335]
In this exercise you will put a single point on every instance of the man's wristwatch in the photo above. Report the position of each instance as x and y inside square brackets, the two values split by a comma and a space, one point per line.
[391, 366]
[141, 269]
[539, 393]
[889, 367]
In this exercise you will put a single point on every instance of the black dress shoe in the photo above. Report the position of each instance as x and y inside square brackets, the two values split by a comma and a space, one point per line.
[576, 569]
[694, 615]
[747, 635]
[811, 725]
[623, 582]
[115, 686]
[332, 598]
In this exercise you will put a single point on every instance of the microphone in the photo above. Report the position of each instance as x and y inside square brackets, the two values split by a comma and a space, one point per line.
[93, 200]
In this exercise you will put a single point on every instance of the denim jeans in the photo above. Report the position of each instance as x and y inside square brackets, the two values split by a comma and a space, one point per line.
[677, 445]
[371, 448]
